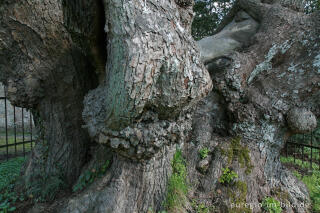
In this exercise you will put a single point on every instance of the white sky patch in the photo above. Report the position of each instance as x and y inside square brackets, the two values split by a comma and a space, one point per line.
[316, 63]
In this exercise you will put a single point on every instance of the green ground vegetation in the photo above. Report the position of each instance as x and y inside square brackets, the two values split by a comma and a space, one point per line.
[200, 207]
[9, 172]
[240, 153]
[177, 187]
[311, 180]
[228, 176]
[204, 152]
[271, 205]
[18, 149]
[90, 175]
[238, 195]
[299, 162]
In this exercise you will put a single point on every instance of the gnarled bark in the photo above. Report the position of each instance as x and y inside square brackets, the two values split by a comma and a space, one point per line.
[134, 74]
[44, 69]
[151, 78]
[260, 87]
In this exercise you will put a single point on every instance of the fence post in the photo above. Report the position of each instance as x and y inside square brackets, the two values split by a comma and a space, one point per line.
[294, 153]
[311, 151]
[23, 145]
[302, 158]
[10, 136]
[6, 123]
[15, 130]
[30, 116]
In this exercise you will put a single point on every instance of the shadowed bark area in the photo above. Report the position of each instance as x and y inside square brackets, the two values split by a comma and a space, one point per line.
[127, 187]
[46, 70]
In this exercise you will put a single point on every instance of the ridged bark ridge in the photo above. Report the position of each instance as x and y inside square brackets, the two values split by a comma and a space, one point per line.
[153, 73]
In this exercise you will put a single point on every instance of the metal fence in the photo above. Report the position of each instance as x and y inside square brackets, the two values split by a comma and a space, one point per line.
[16, 129]
[304, 149]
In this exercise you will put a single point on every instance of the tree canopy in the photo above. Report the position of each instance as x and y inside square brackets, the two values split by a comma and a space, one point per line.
[209, 13]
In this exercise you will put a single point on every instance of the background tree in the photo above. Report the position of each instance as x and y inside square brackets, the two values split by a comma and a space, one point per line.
[208, 15]
[312, 6]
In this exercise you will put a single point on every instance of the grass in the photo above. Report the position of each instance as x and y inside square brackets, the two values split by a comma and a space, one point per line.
[9, 171]
[13, 150]
[306, 152]
[299, 162]
[312, 181]
[315, 153]
[177, 187]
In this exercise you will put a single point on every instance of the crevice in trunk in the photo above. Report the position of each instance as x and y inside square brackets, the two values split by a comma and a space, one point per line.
[63, 146]
[85, 21]
[99, 49]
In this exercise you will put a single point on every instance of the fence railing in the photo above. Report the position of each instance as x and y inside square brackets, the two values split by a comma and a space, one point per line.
[16, 129]
[304, 150]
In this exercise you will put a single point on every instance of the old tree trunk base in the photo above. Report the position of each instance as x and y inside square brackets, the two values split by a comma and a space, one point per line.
[119, 85]
[272, 80]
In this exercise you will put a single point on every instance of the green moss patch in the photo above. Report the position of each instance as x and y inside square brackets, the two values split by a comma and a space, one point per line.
[238, 196]
[240, 153]
[312, 181]
[177, 187]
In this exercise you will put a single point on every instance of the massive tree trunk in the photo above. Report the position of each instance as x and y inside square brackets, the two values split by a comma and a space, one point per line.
[144, 61]
[127, 75]
[264, 64]
[45, 70]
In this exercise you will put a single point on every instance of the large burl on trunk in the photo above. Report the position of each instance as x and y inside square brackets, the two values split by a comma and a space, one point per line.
[124, 81]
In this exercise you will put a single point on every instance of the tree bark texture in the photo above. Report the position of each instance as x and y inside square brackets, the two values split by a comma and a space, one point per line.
[127, 75]
[46, 70]
[128, 186]
[153, 73]
[256, 89]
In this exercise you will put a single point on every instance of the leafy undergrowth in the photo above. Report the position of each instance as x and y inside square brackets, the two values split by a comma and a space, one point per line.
[312, 181]
[299, 162]
[9, 171]
[89, 176]
[227, 176]
[271, 205]
[313, 184]
[11, 139]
